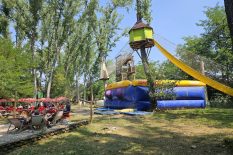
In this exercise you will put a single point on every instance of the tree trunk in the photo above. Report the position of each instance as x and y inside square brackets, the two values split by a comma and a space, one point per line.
[50, 83]
[85, 89]
[16, 36]
[77, 87]
[14, 111]
[229, 13]
[33, 58]
[150, 80]
[202, 67]
[41, 78]
[91, 103]
[49, 86]
[51, 75]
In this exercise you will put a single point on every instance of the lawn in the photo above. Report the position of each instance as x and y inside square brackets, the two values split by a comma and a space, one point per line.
[3, 120]
[198, 131]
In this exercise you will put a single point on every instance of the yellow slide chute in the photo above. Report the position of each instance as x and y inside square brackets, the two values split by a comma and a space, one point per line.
[192, 72]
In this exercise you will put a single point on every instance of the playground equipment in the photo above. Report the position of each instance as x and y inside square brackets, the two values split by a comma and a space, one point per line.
[188, 94]
[127, 94]
[195, 74]
[125, 68]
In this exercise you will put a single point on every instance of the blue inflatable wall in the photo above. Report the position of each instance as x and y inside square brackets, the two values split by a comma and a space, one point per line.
[137, 97]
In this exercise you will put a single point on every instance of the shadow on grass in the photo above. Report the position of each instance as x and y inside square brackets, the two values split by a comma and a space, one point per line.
[218, 118]
[150, 140]
[115, 118]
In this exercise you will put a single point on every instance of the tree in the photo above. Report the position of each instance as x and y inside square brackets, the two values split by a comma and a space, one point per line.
[229, 13]
[142, 7]
[57, 24]
[214, 46]
[5, 17]
[29, 12]
[155, 68]
[14, 68]
[66, 39]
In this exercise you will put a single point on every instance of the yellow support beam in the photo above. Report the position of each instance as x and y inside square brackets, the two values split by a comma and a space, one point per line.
[192, 72]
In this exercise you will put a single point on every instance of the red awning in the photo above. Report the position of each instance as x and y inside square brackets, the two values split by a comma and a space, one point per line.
[45, 100]
[3, 100]
[27, 100]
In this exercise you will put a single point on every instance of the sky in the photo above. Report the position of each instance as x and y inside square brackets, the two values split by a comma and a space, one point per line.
[172, 19]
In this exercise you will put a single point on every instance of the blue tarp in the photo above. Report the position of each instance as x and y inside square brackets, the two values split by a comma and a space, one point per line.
[119, 104]
[106, 112]
[141, 113]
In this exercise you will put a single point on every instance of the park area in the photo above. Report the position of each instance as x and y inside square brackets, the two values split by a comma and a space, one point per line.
[197, 131]
[112, 77]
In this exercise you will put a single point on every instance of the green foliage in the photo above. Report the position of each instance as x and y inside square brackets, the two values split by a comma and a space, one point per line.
[169, 71]
[221, 101]
[154, 68]
[143, 9]
[59, 83]
[214, 44]
[164, 91]
[146, 11]
[98, 89]
[5, 17]
[162, 71]
[14, 68]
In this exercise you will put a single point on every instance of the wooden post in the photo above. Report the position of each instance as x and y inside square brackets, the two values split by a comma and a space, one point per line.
[105, 87]
[14, 110]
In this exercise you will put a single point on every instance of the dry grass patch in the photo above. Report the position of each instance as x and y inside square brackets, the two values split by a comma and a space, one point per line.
[172, 132]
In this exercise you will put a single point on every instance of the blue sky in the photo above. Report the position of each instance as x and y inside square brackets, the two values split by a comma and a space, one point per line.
[172, 19]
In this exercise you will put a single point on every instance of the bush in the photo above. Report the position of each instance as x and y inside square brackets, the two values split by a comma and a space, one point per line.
[221, 101]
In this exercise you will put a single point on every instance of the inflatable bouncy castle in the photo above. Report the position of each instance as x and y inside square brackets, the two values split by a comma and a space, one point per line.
[134, 94]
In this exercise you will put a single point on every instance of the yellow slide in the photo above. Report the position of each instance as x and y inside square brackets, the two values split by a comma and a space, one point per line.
[192, 72]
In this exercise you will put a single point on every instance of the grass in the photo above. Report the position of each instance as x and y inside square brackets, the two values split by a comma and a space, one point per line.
[3, 120]
[198, 131]
[214, 117]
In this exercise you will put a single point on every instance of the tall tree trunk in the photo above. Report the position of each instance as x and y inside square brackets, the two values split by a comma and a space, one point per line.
[50, 81]
[85, 89]
[145, 62]
[49, 85]
[202, 67]
[77, 86]
[229, 13]
[51, 74]
[150, 80]
[16, 36]
[91, 103]
[33, 60]
[41, 79]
